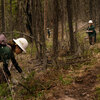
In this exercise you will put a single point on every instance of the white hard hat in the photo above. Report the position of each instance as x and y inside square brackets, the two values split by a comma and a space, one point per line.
[90, 22]
[22, 43]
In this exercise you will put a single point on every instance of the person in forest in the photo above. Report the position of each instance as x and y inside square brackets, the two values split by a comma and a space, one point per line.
[7, 51]
[91, 33]
[48, 32]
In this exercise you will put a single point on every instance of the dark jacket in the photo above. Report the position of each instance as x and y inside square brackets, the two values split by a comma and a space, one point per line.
[92, 28]
[6, 54]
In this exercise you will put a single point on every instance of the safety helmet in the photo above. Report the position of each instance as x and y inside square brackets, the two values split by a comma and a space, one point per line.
[90, 22]
[22, 43]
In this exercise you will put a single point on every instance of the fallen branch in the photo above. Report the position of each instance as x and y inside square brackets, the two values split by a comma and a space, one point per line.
[25, 87]
[78, 57]
[73, 62]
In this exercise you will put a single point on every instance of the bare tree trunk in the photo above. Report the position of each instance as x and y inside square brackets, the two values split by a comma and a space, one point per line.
[62, 21]
[11, 8]
[45, 16]
[33, 26]
[55, 33]
[41, 25]
[99, 21]
[3, 15]
[98, 5]
[69, 10]
[76, 14]
[11, 18]
[91, 8]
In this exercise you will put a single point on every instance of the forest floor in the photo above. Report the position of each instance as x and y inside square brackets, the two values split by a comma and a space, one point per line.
[80, 83]
[86, 84]
[70, 82]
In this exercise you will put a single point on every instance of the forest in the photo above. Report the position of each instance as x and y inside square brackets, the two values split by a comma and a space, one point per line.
[61, 61]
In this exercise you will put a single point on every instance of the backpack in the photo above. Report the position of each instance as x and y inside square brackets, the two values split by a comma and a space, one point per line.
[3, 39]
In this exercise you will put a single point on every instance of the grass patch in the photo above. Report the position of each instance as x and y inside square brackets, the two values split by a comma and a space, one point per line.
[98, 38]
[66, 80]
[36, 87]
[98, 77]
[49, 44]
[98, 93]
[4, 91]
[96, 50]
[31, 50]
[80, 37]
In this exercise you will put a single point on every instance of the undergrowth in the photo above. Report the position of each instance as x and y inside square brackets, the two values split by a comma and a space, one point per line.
[5, 92]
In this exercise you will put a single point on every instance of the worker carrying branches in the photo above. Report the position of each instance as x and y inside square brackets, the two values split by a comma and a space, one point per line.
[7, 51]
[91, 33]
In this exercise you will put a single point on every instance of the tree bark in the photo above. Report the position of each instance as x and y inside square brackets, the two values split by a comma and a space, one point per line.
[3, 15]
[69, 10]
[45, 16]
[91, 8]
[55, 33]
[76, 14]
[11, 15]
[62, 21]
[33, 25]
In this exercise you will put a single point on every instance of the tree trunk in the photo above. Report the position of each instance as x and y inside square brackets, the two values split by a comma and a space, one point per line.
[69, 10]
[45, 16]
[33, 26]
[55, 33]
[76, 14]
[11, 17]
[98, 13]
[95, 14]
[42, 24]
[3, 15]
[62, 21]
[99, 21]
[91, 8]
